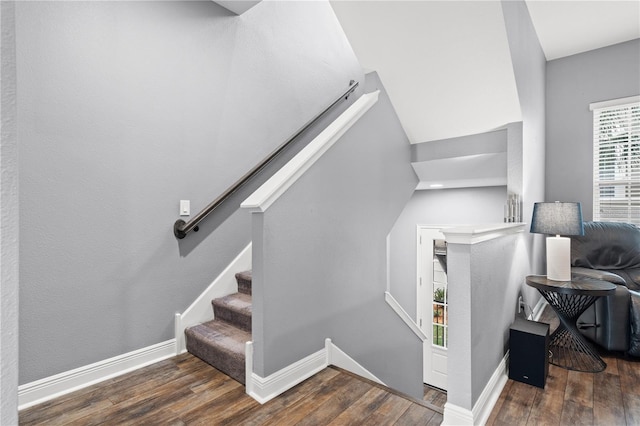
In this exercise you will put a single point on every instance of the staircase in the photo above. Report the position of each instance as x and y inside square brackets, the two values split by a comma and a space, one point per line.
[221, 342]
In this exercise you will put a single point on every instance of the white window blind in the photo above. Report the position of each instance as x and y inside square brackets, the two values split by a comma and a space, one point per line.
[616, 162]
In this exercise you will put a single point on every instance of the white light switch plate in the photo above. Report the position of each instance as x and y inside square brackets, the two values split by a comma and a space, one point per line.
[185, 207]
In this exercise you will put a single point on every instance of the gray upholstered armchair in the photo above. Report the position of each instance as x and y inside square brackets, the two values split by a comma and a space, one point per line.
[611, 252]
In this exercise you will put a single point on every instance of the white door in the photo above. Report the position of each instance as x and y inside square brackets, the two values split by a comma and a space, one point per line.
[432, 304]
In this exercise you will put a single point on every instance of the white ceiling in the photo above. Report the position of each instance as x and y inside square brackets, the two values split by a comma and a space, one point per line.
[446, 64]
[568, 27]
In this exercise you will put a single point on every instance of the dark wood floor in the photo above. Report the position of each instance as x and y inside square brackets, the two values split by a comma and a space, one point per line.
[611, 397]
[186, 391]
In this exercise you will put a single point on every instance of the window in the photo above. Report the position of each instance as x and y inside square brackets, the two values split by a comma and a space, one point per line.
[616, 160]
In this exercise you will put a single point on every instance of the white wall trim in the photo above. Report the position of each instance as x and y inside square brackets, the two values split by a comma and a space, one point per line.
[613, 102]
[491, 392]
[480, 233]
[537, 310]
[264, 389]
[60, 384]
[455, 415]
[337, 357]
[200, 310]
[391, 301]
[273, 188]
[237, 7]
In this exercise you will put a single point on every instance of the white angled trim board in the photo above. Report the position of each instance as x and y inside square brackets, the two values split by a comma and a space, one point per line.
[391, 301]
[335, 356]
[48, 388]
[264, 389]
[273, 188]
[455, 415]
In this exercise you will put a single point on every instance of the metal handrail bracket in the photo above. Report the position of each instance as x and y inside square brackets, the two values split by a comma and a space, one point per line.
[182, 228]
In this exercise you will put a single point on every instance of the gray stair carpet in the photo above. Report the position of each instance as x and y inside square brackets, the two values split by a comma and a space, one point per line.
[221, 342]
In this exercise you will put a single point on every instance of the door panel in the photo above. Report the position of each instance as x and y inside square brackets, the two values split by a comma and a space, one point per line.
[432, 307]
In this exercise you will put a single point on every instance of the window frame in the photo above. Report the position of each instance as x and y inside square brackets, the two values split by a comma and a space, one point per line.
[616, 160]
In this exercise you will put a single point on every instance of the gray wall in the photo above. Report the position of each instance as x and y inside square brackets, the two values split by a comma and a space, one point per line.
[572, 84]
[529, 66]
[9, 221]
[495, 283]
[320, 256]
[124, 109]
[482, 304]
[463, 206]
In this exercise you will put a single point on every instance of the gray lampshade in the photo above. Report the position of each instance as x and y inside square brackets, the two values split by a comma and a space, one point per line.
[557, 219]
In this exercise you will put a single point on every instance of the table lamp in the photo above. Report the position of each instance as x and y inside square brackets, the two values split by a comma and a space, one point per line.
[558, 219]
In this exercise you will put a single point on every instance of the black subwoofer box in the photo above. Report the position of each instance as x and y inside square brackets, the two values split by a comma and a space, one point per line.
[529, 352]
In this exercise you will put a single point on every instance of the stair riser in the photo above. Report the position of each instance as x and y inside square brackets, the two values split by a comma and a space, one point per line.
[233, 367]
[244, 286]
[242, 320]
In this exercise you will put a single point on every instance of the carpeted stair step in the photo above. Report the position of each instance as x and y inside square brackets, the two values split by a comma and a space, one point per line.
[221, 345]
[234, 309]
[244, 282]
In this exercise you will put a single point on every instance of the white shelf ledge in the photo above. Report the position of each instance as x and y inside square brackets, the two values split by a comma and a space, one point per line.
[474, 234]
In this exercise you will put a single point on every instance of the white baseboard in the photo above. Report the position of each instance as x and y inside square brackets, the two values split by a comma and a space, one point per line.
[51, 387]
[200, 310]
[264, 389]
[537, 310]
[455, 415]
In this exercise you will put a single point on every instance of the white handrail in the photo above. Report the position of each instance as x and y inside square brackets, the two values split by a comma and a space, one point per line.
[272, 189]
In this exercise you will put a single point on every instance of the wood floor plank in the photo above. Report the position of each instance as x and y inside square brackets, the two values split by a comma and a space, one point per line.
[149, 399]
[185, 391]
[556, 379]
[217, 388]
[274, 408]
[391, 410]
[574, 413]
[300, 409]
[579, 388]
[66, 417]
[195, 375]
[499, 403]
[547, 408]
[436, 420]
[362, 408]
[415, 415]
[629, 376]
[517, 405]
[222, 410]
[93, 395]
[612, 363]
[632, 409]
[336, 404]
[607, 394]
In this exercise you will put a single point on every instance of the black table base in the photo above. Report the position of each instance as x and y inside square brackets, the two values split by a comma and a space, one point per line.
[567, 347]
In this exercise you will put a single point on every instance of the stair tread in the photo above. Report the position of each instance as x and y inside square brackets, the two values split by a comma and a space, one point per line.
[246, 275]
[221, 334]
[239, 302]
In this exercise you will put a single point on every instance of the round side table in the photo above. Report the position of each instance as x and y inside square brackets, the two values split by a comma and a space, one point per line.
[569, 299]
